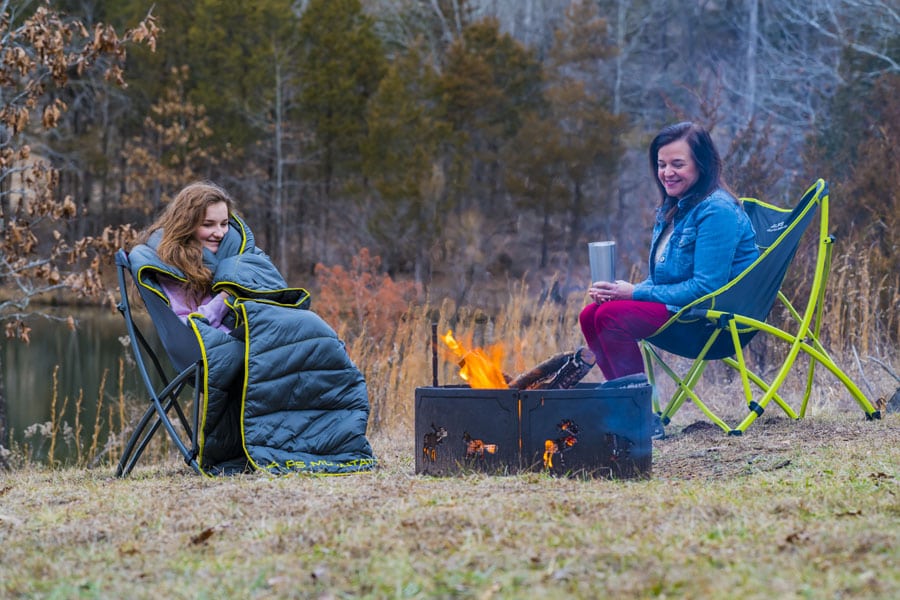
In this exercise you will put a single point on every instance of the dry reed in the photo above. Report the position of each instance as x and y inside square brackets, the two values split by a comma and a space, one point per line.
[528, 331]
[95, 436]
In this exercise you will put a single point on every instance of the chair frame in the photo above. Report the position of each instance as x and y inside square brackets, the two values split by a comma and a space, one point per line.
[806, 326]
[164, 400]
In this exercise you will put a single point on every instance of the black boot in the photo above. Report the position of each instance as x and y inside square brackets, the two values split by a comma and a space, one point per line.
[657, 431]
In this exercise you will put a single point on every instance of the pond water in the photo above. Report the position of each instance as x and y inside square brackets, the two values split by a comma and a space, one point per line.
[81, 359]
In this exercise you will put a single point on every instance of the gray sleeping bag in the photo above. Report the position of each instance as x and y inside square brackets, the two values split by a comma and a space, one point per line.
[280, 392]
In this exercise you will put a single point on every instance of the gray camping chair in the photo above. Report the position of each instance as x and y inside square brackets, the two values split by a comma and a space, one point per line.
[183, 351]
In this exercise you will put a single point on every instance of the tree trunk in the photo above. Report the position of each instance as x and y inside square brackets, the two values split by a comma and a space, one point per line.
[620, 56]
[545, 238]
[280, 221]
[752, 42]
[3, 463]
[574, 230]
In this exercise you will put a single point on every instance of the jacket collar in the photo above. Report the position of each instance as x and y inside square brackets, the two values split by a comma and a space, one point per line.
[684, 204]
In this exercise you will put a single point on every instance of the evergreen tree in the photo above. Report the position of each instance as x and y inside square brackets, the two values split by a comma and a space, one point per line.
[562, 163]
[341, 63]
[488, 84]
[231, 50]
[149, 67]
[403, 160]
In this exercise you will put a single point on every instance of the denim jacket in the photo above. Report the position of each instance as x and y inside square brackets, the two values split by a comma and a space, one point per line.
[712, 242]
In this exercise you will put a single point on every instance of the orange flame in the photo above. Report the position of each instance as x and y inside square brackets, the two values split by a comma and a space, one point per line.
[478, 368]
[550, 448]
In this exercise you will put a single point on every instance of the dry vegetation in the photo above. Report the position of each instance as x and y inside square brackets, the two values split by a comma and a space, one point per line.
[791, 509]
[806, 508]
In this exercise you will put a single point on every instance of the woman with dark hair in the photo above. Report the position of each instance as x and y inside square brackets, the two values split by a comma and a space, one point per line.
[702, 239]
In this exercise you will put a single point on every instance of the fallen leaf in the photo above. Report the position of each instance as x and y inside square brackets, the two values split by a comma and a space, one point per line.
[203, 536]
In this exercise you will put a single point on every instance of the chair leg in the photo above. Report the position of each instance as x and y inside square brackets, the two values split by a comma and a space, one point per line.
[121, 469]
[826, 361]
[817, 354]
[685, 390]
[134, 448]
[764, 387]
[126, 464]
[705, 409]
[648, 353]
[184, 422]
[142, 446]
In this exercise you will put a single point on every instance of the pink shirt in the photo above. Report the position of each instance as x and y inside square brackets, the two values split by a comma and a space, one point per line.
[183, 303]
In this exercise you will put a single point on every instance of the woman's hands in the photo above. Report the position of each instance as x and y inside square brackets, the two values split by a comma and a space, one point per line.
[601, 291]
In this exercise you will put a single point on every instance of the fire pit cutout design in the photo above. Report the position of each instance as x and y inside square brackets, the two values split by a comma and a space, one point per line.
[567, 440]
[431, 441]
[619, 447]
[586, 431]
[477, 448]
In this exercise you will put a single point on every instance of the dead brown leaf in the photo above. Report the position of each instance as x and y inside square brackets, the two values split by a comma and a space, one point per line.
[203, 536]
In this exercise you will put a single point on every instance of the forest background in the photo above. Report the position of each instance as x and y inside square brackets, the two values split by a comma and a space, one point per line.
[431, 149]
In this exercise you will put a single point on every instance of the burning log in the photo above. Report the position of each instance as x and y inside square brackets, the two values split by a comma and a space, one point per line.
[482, 369]
[541, 372]
[560, 371]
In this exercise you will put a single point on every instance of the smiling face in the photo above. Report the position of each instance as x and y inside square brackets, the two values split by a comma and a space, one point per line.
[676, 168]
[213, 227]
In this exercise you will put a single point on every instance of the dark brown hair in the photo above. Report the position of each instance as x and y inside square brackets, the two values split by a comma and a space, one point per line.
[706, 157]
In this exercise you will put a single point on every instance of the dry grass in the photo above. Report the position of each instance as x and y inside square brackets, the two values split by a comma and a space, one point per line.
[403, 361]
[791, 509]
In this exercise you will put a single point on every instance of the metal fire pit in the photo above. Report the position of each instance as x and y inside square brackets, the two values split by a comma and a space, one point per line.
[584, 431]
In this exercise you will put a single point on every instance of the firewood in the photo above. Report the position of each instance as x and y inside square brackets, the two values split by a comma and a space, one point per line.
[544, 370]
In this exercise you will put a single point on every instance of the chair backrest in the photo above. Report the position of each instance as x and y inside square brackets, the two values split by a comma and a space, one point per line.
[754, 291]
[778, 235]
[178, 340]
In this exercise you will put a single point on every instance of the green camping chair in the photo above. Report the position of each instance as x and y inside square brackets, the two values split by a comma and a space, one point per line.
[718, 326]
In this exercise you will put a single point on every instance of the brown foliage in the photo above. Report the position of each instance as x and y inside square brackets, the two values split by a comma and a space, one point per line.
[873, 185]
[863, 300]
[37, 59]
[365, 301]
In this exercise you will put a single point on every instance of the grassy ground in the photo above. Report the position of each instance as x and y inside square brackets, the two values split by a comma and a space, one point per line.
[791, 509]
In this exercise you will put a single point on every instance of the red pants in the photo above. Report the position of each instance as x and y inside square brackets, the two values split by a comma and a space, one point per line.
[612, 329]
